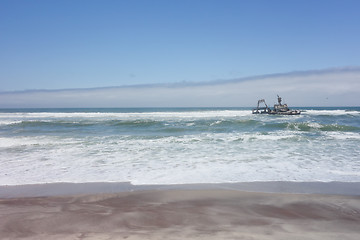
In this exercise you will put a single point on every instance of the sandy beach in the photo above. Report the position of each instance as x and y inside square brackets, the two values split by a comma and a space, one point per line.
[181, 214]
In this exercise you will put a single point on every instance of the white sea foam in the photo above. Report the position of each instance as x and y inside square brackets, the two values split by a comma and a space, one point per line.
[173, 160]
[344, 135]
[182, 147]
[337, 112]
[9, 122]
[156, 114]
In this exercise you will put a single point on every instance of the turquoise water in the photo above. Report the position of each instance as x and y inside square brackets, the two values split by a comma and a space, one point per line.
[180, 145]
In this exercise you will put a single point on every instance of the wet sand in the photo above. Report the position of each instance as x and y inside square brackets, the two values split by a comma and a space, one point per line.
[181, 214]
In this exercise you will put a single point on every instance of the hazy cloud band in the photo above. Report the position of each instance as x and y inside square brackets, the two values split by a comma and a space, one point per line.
[332, 87]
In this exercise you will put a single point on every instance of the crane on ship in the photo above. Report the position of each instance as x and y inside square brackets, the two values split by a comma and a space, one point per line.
[259, 109]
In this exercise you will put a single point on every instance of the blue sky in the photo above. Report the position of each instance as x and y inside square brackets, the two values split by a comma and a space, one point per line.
[83, 44]
[160, 48]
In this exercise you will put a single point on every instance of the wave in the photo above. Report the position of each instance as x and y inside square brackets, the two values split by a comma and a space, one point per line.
[197, 125]
[176, 123]
[49, 123]
[179, 146]
[145, 114]
[310, 126]
[200, 114]
[205, 157]
[338, 112]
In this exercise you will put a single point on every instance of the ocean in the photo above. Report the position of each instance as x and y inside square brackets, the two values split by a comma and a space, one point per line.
[178, 146]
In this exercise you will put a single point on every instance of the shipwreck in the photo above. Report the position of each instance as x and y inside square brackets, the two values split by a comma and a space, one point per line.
[279, 109]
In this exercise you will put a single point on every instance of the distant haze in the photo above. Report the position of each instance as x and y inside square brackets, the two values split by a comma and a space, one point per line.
[329, 87]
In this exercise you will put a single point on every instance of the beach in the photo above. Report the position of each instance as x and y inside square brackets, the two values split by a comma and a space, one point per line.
[179, 173]
[191, 212]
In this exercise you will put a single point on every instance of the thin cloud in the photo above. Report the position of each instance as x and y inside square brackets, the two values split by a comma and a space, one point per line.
[329, 87]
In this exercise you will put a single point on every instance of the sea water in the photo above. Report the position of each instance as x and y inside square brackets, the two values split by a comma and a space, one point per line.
[177, 146]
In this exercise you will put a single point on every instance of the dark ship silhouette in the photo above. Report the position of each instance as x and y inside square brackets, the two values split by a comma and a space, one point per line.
[279, 109]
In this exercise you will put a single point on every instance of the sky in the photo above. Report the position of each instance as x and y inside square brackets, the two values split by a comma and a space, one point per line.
[84, 44]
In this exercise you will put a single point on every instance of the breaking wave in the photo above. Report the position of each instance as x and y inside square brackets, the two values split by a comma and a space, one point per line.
[155, 146]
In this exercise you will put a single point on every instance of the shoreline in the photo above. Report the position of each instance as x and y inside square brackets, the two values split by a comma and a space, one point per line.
[64, 189]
